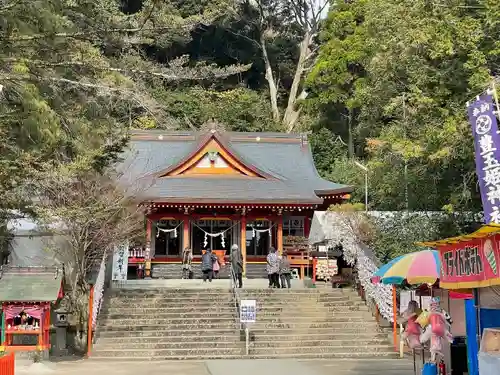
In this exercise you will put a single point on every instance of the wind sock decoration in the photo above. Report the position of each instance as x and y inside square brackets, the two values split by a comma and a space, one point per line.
[438, 329]
[412, 331]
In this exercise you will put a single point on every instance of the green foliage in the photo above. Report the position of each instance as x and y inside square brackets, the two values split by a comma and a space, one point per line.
[326, 147]
[240, 109]
[76, 75]
[406, 68]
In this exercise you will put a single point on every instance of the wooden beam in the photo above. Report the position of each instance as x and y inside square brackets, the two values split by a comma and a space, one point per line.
[243, 247]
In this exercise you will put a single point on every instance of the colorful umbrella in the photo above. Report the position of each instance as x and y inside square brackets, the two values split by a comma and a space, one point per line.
[422, 267]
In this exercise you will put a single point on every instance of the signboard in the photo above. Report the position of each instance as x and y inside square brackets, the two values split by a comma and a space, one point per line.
[487, 154]
[248, 311]
[470, 264]
[120, 262]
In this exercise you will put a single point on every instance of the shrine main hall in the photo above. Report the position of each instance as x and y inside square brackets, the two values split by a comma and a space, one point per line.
[213, 189]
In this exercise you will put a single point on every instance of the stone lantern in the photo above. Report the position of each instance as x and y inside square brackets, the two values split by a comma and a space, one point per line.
[62, 324]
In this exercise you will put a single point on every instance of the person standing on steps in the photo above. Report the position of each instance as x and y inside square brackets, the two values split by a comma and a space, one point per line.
[273, 268]
[207, 264]
[187, 258]
[285, 271]
[237, 264]
[216, 267]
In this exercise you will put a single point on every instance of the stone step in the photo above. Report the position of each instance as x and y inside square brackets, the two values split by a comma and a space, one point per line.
[148, 325]
[299, 348]
[261, 316]
[147, 311]
[223, 291]
[223, 288]
[227, 296]
[166, 353]
[118, 331]
[333, 322]
[120, 303]
[234, 336]
[169, 300]
[236, 343]
[161, 345]
[320, 344]
[160, 314]
[169, 323]
[155, 331]
[265, 329]
[203, 351]
[119, 356]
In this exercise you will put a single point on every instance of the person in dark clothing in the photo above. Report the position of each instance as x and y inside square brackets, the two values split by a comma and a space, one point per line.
[207, 264]
[237, 264]
[285, 271]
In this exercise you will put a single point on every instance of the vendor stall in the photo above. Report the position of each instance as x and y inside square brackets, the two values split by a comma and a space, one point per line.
[26, 294]
[471, 261]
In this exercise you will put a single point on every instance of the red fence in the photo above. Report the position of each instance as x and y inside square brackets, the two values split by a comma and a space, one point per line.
[7, 364]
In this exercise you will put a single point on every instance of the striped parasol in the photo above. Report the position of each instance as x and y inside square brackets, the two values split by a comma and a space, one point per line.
[421, 267]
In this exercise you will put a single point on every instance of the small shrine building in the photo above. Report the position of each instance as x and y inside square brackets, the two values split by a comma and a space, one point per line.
[213, 189]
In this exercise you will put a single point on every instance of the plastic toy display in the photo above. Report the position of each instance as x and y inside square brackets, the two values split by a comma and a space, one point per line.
[425, 326]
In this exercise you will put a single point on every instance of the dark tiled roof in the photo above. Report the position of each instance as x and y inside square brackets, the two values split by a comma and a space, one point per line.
[34, 284]
[285, 158]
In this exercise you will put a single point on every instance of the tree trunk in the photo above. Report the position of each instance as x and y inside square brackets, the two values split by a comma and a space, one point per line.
[273, 89]
[291, 115]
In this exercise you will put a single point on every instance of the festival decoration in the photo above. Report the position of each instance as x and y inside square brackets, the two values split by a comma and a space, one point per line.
[356, 253]
[413, 329]
[438, 329]
[422, 267]
[172, 230]
[221, 234]
[268, 230]
[99, 291]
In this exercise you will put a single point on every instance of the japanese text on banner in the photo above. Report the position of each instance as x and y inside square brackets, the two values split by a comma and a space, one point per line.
[487, 155]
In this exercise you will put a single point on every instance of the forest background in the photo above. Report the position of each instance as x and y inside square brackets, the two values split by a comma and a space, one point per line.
[381, 82]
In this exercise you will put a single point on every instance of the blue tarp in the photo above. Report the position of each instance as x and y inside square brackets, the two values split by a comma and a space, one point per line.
[471, 329]
[490, 318]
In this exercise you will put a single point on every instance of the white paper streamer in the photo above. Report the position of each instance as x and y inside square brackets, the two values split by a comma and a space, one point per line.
[268, 230]
[355, 253]
[98, 291]
[174, 230]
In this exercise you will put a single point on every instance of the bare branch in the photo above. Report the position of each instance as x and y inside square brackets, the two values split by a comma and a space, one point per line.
[179, 74]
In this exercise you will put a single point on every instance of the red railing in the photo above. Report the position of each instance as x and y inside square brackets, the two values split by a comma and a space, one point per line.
[7, 363]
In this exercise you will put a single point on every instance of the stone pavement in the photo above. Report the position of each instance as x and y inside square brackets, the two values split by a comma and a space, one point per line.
[223, 367]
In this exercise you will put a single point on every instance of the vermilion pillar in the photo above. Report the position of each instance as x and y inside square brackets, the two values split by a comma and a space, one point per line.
[243, 231]
[280, 234]
[185, 237]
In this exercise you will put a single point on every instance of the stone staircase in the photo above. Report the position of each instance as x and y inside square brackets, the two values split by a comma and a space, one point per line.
[312, 323]
[169, 323]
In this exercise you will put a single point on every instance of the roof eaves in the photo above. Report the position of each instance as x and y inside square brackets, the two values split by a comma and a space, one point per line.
[225, 144]
[342, 189]
[234, 201]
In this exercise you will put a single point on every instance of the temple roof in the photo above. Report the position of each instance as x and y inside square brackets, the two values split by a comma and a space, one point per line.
[30, 284]
[260, 168]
